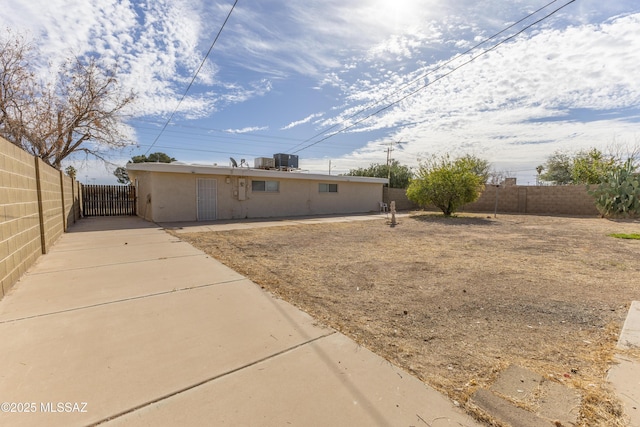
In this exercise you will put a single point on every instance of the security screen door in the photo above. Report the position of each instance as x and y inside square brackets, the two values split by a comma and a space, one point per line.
[207, 199]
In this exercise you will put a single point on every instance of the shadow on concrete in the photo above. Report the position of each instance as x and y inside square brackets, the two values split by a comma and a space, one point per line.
[107, 223]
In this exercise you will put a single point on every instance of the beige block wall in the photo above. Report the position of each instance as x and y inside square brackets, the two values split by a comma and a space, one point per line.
[174, 197]
[543, 200]
[52, 213]
[71, 200]
[19, 222]
[24, 234]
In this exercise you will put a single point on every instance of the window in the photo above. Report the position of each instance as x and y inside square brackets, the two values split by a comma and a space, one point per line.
[265, 186]
[328, 188]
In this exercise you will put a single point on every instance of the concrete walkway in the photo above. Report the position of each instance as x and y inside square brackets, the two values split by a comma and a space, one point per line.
[625, 375]
[123, 324]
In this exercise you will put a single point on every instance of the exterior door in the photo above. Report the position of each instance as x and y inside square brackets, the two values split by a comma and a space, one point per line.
[207, 197]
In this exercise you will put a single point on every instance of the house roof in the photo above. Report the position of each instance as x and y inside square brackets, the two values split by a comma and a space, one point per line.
[246, 172]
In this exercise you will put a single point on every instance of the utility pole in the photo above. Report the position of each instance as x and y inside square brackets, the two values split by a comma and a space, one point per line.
[389, 150]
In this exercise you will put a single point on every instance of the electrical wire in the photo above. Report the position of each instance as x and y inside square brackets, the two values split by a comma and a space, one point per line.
[433, 81]
[423, 76]
[194, 78]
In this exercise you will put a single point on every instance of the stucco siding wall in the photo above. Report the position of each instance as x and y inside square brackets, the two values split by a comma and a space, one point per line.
[142, 181]
[174, 197]
[303, 197]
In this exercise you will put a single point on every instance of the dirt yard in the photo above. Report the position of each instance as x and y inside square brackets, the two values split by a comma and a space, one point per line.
[456, 300]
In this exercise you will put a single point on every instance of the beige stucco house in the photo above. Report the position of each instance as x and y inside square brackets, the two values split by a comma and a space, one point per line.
[170, 192]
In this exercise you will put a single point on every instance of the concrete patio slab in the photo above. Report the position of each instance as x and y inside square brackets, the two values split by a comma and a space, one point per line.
[630, 335]
[625, 375]
[330, 381]
[98, 330]
[53, 292]
[114, 250]
[118, 356]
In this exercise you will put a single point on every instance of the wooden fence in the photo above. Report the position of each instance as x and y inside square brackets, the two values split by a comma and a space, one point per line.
[108, 200]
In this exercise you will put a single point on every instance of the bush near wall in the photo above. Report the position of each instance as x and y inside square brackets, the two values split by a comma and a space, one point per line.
[37, 202]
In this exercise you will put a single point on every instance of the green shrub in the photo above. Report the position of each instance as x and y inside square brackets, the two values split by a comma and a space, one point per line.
[447, 184]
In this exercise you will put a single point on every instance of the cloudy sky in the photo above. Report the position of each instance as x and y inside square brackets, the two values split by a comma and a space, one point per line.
[343, 81]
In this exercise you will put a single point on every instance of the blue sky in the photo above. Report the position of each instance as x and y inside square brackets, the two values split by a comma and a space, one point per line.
[284, 75]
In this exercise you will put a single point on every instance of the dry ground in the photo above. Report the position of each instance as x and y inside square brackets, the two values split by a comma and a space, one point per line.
[456, 300]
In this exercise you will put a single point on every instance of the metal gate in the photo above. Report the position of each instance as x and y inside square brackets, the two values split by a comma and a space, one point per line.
[207, 195]
[108, 200]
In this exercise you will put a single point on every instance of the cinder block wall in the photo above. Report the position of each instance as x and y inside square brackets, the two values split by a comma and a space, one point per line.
[398, 195]
[71, 192]
[566, 199]
[20, 243]
[32, 213]
[542, 200]
[51, 199]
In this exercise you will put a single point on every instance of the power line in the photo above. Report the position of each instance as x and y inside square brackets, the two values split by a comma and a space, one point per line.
[357, 122]
[231, 134]
[193, 79]
[403, 87]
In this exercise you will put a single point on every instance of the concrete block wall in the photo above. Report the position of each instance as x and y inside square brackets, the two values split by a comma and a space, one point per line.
[398, 195]
[71, 200]
[541, 200]
[20, 242]
[31, 211]
[51, 202]
[563, 200]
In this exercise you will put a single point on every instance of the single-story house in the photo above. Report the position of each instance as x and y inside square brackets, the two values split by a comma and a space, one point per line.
[168, 192]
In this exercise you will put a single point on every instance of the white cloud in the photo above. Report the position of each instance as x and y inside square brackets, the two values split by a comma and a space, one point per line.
[248, 129]
[491, 105]
[357, 53]
[157, 47]
[303, 121]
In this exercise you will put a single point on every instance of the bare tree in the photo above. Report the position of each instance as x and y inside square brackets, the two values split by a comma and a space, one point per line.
[16, 86]
[498, 177]
[620, 152]
[80, 111]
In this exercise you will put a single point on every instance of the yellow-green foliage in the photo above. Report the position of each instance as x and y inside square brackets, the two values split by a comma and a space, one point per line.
[447, 184]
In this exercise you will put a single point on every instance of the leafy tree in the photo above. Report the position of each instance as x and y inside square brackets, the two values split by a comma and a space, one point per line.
[558, 168]
[591, 167]
[583, 167]
[122, 175]
[618, 195]
[79, 111]
[400, 175]
[478, 166]
[121, 172]
[447, 184]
